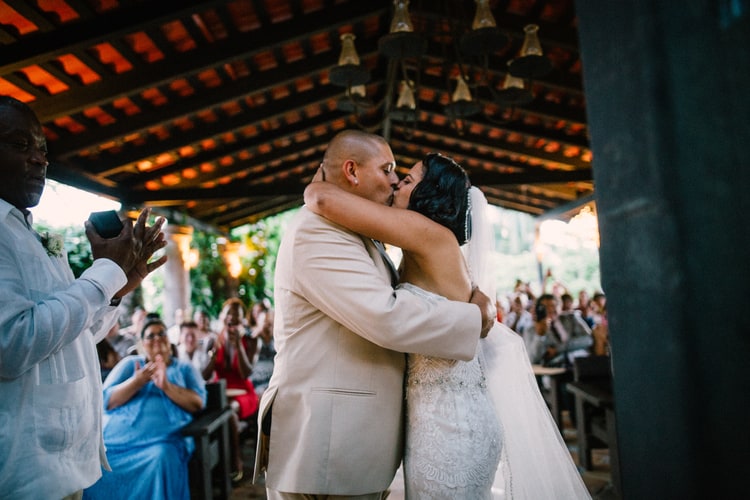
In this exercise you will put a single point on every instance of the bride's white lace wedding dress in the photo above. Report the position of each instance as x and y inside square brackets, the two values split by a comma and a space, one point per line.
[453, 437]
[481, 429]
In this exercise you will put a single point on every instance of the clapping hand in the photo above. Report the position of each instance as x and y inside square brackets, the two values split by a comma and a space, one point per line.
[233, 332]
[142, 375]
[148, 239]
[155, 371]
[119, 249]
[131, 249]
[159, 372]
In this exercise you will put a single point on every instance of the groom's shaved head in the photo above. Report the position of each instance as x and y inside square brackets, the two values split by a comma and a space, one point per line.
[353, 145]
[361, 163]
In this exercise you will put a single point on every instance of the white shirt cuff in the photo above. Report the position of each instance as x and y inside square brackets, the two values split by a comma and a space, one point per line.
[106, 276]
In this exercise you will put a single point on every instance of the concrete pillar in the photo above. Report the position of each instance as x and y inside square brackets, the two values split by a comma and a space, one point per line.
[177, 272]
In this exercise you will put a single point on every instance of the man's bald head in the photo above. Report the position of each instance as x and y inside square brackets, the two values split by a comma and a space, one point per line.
[353, 145]
[358, 162]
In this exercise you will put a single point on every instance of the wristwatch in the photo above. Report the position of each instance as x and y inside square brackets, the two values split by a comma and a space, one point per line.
[115, 301]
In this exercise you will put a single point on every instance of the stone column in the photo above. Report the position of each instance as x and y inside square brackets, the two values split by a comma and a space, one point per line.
[177, 271]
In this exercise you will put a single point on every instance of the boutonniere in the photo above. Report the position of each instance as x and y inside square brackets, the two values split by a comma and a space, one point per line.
[53, 243]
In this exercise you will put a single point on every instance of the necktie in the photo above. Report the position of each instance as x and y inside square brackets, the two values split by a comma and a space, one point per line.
[388, 262]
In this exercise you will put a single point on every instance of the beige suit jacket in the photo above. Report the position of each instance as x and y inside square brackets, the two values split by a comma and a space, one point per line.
[337, 387]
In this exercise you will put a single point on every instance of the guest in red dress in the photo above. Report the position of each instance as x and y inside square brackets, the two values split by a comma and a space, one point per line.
[230, 358]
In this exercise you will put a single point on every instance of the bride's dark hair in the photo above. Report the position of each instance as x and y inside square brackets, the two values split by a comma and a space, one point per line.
[442, 195]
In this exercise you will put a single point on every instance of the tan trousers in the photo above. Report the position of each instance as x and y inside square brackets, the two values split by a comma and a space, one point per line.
[280, 495]
[78, 495]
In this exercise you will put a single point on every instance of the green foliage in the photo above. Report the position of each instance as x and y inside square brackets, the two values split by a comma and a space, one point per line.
[76, 245]
[509, 268]
[209, 278]
[574, 262]
[262, 240]
[575, 270]
[79, 250]
[578, 270]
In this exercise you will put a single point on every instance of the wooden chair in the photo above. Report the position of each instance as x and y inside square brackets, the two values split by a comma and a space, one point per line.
[594, 402]
[209, 467]
[594, 369]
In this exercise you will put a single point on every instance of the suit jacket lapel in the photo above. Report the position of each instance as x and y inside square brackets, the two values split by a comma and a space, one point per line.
[388, 262]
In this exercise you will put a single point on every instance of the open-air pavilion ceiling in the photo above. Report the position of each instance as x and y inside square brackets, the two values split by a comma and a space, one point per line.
[220, 111]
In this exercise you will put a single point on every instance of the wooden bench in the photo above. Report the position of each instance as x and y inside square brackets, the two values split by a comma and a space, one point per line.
[209, 467]
[595, 411]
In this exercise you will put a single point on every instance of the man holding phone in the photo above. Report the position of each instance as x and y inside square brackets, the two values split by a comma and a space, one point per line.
[50, 386]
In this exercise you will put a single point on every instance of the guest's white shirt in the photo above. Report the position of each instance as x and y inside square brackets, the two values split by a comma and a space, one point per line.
[523, 322]
[199, 359]
[50, 385]
[536, 345]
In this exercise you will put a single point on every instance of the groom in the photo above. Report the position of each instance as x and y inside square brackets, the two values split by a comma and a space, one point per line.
[331, 418]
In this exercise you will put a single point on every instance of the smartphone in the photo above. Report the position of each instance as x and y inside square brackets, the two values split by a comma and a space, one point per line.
[107, 223]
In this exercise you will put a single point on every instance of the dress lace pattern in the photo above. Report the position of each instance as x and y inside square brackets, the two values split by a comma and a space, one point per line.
[453, 438]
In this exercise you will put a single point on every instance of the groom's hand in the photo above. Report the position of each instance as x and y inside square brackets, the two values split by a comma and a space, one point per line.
[486, 307]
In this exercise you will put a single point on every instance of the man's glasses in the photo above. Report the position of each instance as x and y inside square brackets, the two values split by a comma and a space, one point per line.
[23, 146]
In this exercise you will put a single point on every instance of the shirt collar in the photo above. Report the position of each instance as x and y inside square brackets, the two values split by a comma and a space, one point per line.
[6, 210]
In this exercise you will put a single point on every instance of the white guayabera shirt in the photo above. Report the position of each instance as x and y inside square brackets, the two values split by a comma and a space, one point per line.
[50, 385]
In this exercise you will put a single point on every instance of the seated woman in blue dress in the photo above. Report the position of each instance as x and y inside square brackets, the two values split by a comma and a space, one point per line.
[147, 401]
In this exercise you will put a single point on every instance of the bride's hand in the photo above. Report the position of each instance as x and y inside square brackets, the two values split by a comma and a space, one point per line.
[317, 191]
[320, 175]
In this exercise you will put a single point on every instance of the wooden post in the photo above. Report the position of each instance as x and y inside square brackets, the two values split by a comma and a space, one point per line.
[667, 101]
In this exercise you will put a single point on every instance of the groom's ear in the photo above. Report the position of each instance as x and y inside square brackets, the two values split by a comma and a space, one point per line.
[350, 172]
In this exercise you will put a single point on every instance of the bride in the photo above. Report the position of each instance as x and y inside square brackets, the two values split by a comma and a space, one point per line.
[474, 429]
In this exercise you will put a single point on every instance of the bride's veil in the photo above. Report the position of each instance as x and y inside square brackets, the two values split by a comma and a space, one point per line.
[535, 463]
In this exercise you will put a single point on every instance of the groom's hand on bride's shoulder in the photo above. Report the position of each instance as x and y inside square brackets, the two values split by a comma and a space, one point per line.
[486, 307]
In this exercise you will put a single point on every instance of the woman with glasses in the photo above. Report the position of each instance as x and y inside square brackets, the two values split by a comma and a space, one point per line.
[148, 399]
